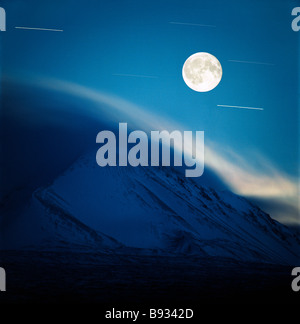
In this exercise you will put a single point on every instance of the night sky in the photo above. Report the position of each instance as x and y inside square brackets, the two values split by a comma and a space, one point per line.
[135, 50]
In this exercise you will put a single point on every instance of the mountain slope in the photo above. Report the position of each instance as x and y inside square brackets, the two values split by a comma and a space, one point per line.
[158, 209]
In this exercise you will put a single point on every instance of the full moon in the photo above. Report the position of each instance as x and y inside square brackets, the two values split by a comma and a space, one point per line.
[202, 72]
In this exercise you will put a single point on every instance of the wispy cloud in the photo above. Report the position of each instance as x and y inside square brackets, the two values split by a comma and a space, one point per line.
[262, 181]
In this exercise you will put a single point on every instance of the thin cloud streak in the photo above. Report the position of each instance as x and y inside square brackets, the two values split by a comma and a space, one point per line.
[191, 24]
[240, 107]
[251, 62]
[42, 29]
[136, 75]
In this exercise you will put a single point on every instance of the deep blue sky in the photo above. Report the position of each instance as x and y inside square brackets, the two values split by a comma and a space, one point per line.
[103, 38]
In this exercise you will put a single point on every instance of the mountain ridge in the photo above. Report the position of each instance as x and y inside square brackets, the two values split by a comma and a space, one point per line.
[155, 210]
